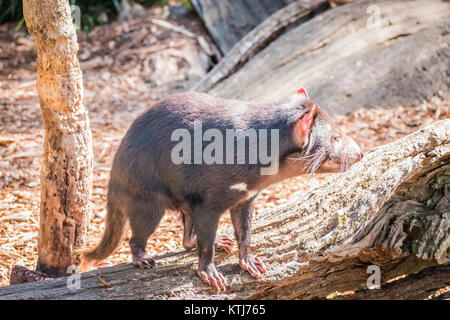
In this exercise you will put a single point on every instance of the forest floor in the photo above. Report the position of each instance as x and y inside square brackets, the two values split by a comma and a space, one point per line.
[126, 67]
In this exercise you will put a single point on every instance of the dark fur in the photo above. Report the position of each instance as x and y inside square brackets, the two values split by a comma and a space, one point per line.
[144, 182]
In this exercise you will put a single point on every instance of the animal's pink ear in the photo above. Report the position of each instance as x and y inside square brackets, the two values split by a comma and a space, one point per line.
[305, 125]
[302, 91]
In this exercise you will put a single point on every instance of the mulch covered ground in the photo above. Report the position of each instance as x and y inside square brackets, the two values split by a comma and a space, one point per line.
[126, 67]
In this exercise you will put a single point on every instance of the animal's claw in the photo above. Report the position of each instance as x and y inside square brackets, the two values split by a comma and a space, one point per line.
[254, 266]
[211, 276]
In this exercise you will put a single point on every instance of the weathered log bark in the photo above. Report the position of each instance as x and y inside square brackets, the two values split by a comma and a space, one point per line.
[392, 209]
[66, 174]
[362, 54]
[421, 286]
[339, 2]
[229, 20]
[257, 39]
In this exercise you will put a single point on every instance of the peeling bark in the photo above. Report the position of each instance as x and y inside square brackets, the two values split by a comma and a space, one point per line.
[66, 174]
[391, 209]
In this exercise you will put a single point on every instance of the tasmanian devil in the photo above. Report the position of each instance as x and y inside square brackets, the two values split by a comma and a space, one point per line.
[201, 156]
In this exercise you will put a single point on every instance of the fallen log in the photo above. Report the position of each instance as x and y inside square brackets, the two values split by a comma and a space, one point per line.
[257, 39]
[229, 20]
[426, 284]
[362, 54]
[392, 210]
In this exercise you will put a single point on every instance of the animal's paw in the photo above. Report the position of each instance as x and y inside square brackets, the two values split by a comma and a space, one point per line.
[253, 265]
[212, 276]
[144, 261]
[224, 243]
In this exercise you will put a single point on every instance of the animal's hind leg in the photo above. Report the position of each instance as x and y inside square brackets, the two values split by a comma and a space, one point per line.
[144, 218]
[224, 243]
[190, 239]
[241, 216]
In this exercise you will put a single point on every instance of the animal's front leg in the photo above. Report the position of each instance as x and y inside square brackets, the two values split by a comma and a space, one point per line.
[205, 224]
[241, 217]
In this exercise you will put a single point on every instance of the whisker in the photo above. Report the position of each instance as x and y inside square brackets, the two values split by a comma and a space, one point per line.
[315, 162]
[309, 161]
[307, 166]
[345, 164]
[319, 161]
[303, 157]
[309, 156]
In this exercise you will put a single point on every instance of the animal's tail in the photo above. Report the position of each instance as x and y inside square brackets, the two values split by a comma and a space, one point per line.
[116, 225]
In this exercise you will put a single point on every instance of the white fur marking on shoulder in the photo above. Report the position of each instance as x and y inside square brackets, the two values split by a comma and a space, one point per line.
[239, 187]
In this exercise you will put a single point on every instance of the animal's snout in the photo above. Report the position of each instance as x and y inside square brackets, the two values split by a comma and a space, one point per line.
[351, 154]
[354, 151]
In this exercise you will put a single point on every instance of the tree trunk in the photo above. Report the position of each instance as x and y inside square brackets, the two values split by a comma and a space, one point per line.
[391, 210]
[66, 174]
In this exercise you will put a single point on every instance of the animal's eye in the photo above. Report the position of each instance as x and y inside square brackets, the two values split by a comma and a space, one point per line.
[336, 139]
